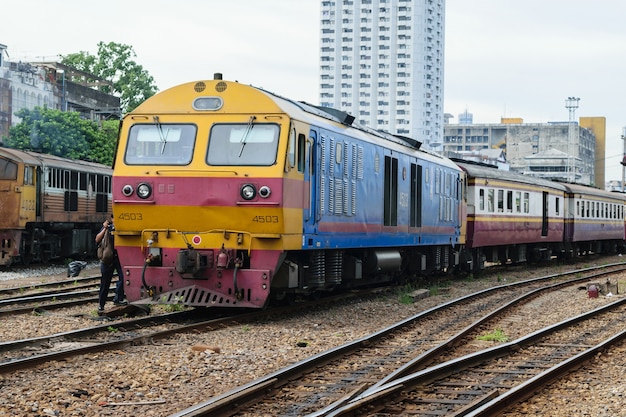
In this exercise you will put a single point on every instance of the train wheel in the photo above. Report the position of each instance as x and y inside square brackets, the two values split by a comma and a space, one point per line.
[27, 258]
[44, 255]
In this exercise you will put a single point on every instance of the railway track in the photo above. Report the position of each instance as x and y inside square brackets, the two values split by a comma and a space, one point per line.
[486, 382]
[27, 353]
[50, 296]
[360, 377]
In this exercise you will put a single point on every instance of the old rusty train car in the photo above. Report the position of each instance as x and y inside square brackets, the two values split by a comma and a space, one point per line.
[51, 206]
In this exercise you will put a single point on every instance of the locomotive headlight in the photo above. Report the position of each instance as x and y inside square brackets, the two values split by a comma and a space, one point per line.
[248, 192]
[265, 191]
[144, 190]
[128, 190]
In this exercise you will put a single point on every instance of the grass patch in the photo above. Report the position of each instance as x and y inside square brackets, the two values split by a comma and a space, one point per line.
[497, 335]
[404, 294]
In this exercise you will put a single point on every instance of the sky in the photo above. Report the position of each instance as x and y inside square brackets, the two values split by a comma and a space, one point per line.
[503, 58]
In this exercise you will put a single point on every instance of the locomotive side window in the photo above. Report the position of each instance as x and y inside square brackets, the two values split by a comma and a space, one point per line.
[301, 152]
[8, 170]
[160, 144]
[391, 192]
[291, 152]
[416, 196]
[243, 144]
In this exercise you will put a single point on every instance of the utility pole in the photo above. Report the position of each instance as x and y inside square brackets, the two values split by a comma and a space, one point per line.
[571, 104]
[623, 163]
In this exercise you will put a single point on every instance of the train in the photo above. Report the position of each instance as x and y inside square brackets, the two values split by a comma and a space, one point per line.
[51, 207]
[228, 195]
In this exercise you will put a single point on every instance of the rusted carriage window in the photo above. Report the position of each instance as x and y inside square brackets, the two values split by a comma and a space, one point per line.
[82, 181]
[8, 170]
[490, 200]
[73, 183]
[29, 175]
[70, 202]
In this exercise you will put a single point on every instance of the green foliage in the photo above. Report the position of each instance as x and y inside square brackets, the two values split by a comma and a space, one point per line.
[64, 134]
[404, 294]
[112, 329]
[497, 335]
[115, 63]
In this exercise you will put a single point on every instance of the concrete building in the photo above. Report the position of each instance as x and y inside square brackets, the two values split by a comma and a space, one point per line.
[53, 85]
[539, 149]
[383, 62]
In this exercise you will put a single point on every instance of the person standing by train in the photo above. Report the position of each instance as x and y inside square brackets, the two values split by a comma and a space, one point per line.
[107, 270]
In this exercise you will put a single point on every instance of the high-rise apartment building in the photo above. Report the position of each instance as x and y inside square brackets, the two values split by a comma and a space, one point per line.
[382, 61]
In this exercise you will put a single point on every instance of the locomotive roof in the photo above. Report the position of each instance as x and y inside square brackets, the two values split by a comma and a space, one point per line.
[340, 121]
[41, 159]
[490, 172]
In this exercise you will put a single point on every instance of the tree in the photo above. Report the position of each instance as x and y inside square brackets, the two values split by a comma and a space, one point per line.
[64, 134]
[115, 63]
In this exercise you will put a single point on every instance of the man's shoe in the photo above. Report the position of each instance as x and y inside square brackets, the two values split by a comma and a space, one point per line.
[120, 303]
[100, 311]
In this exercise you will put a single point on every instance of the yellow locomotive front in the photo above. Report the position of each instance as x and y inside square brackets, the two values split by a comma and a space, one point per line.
[204, 198]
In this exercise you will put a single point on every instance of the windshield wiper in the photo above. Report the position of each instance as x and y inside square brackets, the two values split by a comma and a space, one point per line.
[246, 133]
[162, 135]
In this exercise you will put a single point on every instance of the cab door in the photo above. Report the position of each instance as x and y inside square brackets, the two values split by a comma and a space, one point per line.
[28, 203]
[311, 179]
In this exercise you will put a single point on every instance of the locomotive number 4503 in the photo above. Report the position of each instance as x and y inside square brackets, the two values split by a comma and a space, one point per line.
[265, 219]
[130, 216]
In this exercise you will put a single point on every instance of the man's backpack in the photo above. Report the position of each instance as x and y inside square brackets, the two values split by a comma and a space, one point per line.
[105, 249]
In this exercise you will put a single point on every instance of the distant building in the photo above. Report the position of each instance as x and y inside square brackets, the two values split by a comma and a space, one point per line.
[383, 63]
[539, 149]
[45, 84]
[466, 118]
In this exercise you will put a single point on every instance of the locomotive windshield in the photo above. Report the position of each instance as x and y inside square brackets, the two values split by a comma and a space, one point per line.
[243, 144]
[160, 144]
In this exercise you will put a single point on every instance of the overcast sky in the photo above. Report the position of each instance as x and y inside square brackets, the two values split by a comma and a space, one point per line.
[504, 58]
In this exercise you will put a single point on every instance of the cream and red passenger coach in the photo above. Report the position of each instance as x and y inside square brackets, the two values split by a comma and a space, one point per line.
[518, 218]
[511, 216]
